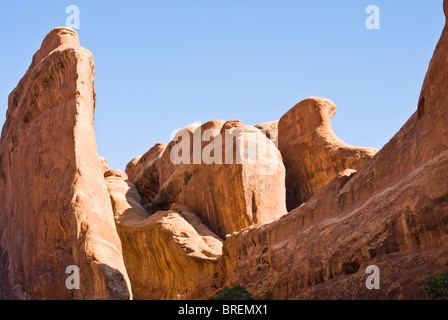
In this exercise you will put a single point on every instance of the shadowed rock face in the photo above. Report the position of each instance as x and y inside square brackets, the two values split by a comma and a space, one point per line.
[227, 197]
[393, 213]
[54, 206]
[312, 153]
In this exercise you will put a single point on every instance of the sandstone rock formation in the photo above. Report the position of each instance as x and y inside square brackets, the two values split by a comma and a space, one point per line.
[227, 195]
[144, 172]
[104, 165]
[270, 129]
[169, 255]
[54, 207]
[197, 214]
[312, 153]
[393, 213]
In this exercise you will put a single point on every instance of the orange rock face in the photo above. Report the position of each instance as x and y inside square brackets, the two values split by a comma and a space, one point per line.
[228, 195]
[393, 213]
[270, 129]
[104, 165]
[144, 171]
[169, 255]
[312, 153]
[208, 209]
[54, 207]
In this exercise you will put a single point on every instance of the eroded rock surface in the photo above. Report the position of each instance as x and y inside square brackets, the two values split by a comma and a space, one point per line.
[228, 195]
[312, 153]
[168, 255]
[54, 207]
[270, 129]
[167, 217]
[393, 213]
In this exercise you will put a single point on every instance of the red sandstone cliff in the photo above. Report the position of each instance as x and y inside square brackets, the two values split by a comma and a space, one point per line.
[54, 206]
[184, 230]
[393, 213]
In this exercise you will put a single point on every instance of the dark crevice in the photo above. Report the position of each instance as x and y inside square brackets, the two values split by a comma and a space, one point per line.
[421, 108]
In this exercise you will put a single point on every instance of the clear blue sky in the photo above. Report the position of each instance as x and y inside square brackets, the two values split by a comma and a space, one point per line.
[161, 65]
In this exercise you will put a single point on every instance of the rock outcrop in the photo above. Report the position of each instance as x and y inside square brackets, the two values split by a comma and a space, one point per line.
[230, 185]
[208, 209]
[313, 155]
[104, 165]
[55, 211]
[168, 255]
[270, 129]
[392, 213]
[144, 172]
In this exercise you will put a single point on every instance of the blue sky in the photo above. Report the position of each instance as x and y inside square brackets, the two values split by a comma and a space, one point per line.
[160, 65]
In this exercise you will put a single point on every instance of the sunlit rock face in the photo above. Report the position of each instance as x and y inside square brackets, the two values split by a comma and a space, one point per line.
[170, 254]
[392, 213]
[228, 194]
[182, 222]
[54, 207]
[312, 153]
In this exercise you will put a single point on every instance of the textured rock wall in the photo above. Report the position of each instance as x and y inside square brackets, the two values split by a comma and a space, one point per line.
[54, 206]
[393, 213]
[312, 153]
[168, 255]
[61, 205]
[270, 129]
[227, 197]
